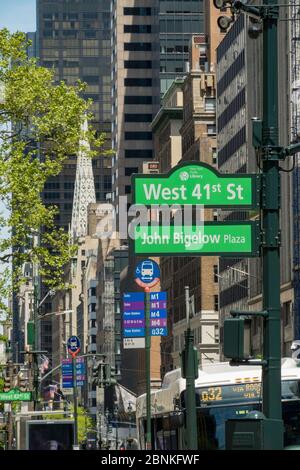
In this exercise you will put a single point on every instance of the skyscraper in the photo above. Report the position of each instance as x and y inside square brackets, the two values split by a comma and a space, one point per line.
[178, 21]
[73, 38]
[135, 88]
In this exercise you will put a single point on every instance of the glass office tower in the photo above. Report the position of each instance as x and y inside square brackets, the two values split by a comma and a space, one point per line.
[178, 21]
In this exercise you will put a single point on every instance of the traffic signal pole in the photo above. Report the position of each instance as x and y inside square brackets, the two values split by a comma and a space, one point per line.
[75, 402]
[190, 402]
[271, 377]
[266, 142]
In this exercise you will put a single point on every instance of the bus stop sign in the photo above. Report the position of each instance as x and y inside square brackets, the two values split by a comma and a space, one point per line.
[147, 273]
[73, 345]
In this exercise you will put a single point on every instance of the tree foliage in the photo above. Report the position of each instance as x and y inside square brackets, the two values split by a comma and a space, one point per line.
[85, 422]
[40, 128]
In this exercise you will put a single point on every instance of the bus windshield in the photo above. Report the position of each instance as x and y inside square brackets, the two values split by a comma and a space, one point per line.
[217, 404]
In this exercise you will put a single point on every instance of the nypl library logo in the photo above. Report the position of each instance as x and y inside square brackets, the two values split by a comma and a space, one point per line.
[184, 176]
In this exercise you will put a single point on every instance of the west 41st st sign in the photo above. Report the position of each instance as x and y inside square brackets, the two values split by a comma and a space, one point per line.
[197, 184]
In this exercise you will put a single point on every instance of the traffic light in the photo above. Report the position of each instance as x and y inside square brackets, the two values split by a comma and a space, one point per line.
[106, 374]
[7, 384]
[113, 379]
[97, 374]
[109, 375]
[22, 382]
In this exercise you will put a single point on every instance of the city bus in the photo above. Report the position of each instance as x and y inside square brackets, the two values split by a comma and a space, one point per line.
[222, 392]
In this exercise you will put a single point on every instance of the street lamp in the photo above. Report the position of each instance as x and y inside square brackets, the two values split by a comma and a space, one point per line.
[129, 409]
[116, 411]
[107, 427]
[58, 313]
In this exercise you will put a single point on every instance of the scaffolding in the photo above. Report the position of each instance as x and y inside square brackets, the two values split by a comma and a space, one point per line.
[295, 136]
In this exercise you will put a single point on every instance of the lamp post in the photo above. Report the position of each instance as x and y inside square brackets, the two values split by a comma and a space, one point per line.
[190, 373]
[129, 409]
[116, 411]
[107, 427]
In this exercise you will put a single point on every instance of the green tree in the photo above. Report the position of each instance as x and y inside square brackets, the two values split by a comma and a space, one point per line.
[85, 422]
[40, 127]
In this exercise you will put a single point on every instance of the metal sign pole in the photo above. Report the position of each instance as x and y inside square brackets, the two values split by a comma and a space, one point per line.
[148, 368]
[190, 405]
[271, 376]
[75, 447]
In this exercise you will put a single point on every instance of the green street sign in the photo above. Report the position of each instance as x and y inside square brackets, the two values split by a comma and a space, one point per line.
[15, 395]
[196, 183]
[240, 239]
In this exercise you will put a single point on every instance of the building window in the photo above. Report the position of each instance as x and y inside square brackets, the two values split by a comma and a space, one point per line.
[137, 11]
[138, 99]
[130, 170]
[214, 155]
[216, 273]
[53, 195]
[90, 16]
[217, 333]
[137, 117]
[138, 82]
[286, 313]
[127, 189]
[210, 104]
[137, 46]
[68, 185]
[137, 64]
[216, 303]
[211, 129]
[137, 28]
[133, 153]
[54, 185]
[92, 291]
[138, 135]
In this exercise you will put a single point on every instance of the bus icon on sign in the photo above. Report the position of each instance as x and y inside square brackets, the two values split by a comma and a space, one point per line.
[147, 269]
[147, 273]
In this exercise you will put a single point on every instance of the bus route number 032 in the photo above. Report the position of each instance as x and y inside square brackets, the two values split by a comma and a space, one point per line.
[212, 394]
[157, 331]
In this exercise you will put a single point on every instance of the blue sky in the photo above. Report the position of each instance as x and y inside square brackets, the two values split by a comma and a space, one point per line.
[17, 15]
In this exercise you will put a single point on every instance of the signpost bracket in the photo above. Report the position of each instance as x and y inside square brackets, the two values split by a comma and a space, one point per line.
[247, 362]
[270, 240]
[237, 313]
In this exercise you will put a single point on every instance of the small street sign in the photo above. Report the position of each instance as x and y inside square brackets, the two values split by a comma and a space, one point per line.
[67, 372]
[134, 297]
[15, 395]
[134, 343]
[158, 313]
[73, 345]
[240, 239]
[147, 273]
[158, 332]
[196, 183]
[158, 322]
[134, 322]
[137, 315]
[160, 296]
[133, 332]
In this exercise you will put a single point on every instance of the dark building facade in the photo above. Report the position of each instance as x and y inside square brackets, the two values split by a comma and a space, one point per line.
[178, 21]
[239, 99]
[73, 38]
